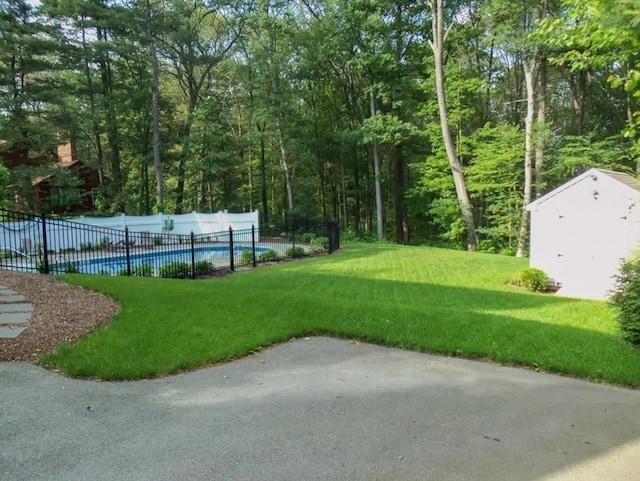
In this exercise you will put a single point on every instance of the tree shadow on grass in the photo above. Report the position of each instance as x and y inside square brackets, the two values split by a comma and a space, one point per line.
[510, 327]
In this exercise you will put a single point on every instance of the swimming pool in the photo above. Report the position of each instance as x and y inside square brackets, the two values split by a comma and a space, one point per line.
[114, 265]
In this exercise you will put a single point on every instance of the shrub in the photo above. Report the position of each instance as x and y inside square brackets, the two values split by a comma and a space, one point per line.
[157, 240]
[104, 242]
[143, 270]
[268, 256]
[70, 268]
[294, 252]
[319, 244]
[204, 268]
[533, 279]
[350, 235]
[307, 237]
[175, 270]
[626, 300]
[246, 257]
[40, 266]
[86, 247]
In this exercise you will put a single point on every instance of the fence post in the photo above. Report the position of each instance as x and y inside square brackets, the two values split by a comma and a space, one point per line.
[253, 243]
[293, 239]
[193, 256]
[126, 249]
[232, 264]
[45, 244]
[334, 235]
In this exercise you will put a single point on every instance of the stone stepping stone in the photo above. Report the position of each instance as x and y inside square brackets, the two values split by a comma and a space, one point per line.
[7, 332]
[15, 313]
[14, 318]
[7, 298]
[15, 307]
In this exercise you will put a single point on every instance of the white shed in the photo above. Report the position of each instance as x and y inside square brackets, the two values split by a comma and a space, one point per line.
[581, 231]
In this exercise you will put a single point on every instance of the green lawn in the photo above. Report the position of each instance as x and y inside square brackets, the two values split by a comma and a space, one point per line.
[419, 298]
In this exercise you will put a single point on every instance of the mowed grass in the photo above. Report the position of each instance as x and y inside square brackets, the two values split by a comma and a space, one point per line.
[418, 298]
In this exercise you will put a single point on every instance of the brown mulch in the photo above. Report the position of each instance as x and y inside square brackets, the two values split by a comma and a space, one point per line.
[61, 314]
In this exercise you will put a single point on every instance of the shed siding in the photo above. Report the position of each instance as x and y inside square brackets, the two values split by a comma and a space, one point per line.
[579, 235]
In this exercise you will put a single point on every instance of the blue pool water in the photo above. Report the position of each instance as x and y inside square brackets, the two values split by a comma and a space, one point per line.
[113, 265]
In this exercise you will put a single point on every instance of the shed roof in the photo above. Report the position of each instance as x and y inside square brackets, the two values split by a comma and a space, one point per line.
[625, 179]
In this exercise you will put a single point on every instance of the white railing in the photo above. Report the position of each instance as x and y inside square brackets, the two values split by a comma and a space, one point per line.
[26, 236]
[185, 224]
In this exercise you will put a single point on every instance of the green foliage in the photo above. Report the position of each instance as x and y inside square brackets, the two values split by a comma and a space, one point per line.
[142, 270]
[296, 251]
[40, 267]
[158, 240]
[5, 178]
[599, 34]
[204, 268]
[307, 237]
[626, 300]
[70, 268]
[533, 279]
[175, 270]
[246, 257]
[497, 153]
[269, 255]
[350, 235]
[86, 246]
[319, 244]
[104, 242]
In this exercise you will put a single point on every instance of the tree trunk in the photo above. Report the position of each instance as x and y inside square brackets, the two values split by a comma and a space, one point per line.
[402, 232]
[376, 172]
[529, 75]
[155, 111]
[437, 44]
[263, 180]
[539, 164]
[356, 186]
[95, 127]
[112, 126]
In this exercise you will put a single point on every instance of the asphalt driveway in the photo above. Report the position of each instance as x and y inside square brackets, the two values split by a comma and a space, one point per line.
[319, 409]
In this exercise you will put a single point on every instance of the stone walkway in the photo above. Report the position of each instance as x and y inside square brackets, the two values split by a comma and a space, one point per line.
[15, 313]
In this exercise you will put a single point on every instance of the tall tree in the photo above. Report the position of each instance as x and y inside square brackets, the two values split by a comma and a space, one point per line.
[436, 43]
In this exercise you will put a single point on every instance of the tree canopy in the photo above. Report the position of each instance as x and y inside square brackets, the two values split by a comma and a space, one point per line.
[419, 121]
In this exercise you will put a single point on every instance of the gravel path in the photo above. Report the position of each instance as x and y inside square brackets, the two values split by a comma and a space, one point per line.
[62, 313]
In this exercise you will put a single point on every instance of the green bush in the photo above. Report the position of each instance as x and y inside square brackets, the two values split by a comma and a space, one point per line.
[294, 252]
[204, 268]
[533, 279]
[626, 300]
[350, 235]
[175, 270]
[86, 247]
[268, 256]
[70, 268]
[143, 270]
[104, 242]
[246, 257]
[158, 240]
[319, 244]
[307, 237]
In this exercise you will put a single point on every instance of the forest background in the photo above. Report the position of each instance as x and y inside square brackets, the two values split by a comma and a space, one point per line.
[414, 121]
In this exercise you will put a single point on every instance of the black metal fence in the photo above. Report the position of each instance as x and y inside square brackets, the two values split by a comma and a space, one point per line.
[38, 243]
